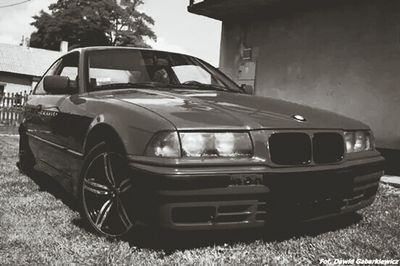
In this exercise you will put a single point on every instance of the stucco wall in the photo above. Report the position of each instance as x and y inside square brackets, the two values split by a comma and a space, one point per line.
[344, 59]
[15, 83]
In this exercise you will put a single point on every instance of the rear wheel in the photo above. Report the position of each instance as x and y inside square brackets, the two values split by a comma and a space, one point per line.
[26, 160]
[106, 191]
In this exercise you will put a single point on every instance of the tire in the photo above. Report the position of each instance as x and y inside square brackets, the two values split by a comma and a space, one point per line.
[26, 161]
[105, 193]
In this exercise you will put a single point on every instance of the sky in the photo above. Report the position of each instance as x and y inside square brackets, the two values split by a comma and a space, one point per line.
[177, 30]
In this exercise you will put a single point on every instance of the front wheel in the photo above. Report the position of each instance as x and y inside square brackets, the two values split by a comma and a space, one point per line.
[106, 192]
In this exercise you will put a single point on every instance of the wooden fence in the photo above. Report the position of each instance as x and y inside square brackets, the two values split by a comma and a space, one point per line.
[11, 105]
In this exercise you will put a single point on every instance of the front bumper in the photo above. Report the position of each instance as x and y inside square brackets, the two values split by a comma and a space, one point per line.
[196, 198]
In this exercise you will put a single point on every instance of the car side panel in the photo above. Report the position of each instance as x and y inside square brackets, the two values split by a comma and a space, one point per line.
[43, 111]
[73, 124]
[134, 125]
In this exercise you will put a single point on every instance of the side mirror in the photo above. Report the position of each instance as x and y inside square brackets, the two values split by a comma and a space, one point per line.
[56, 84]
[248, 89]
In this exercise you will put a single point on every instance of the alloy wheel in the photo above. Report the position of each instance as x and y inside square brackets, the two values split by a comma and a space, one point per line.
[106, 190]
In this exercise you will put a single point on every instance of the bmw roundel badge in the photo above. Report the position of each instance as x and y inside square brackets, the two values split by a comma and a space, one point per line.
[299, 118]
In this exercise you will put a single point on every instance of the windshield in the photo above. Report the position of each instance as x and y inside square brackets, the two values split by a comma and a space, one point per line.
[122, 68]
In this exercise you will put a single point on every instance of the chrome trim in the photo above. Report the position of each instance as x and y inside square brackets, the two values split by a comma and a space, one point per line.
[56, 145]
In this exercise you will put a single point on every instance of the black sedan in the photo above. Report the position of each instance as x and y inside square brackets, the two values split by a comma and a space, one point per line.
[148, 137]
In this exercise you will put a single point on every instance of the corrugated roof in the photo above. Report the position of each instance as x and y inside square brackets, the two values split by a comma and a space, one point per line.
[26, 60]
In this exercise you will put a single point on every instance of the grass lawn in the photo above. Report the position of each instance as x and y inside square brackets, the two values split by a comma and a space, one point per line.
[39, 225]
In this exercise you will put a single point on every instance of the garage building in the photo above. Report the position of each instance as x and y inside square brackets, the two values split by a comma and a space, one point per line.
[342, 56]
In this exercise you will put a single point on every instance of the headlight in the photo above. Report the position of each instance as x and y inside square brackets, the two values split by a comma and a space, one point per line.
[193, 143]
[164, 144]
[216, 145]
[357, 141]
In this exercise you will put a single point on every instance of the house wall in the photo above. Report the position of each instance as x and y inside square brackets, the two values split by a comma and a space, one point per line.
[15, 83]
[344, 58]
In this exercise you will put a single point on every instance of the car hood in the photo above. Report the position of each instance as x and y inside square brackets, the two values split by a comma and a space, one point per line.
[194, 110]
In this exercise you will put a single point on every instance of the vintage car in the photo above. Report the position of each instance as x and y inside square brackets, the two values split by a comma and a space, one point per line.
[141, 136]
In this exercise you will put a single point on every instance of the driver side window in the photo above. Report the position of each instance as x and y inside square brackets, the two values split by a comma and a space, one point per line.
[39, 89]
[69, 68]
[66, 66]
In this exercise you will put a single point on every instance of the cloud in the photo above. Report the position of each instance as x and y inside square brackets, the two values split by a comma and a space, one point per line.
[15, 21]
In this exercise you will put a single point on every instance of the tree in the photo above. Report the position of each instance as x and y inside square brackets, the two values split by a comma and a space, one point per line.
[92, 23]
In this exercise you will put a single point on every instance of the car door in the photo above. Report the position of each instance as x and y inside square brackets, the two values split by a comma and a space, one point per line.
[47, 126]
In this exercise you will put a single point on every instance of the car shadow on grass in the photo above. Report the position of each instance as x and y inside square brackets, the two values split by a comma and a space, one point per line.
[171, 241]
[48, 184]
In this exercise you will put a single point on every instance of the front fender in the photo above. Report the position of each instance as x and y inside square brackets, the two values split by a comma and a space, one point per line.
[134, 125]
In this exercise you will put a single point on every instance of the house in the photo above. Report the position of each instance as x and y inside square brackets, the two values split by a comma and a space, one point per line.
[342, 56]
[21, 66]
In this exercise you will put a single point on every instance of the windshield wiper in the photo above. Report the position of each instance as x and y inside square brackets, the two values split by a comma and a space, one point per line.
[202, 86]
[152, 85]
[126, 85]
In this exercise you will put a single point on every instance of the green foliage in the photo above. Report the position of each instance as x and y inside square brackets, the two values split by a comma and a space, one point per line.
[92, 23]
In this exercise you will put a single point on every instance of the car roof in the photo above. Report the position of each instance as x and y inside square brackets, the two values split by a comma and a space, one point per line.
[102, 48]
